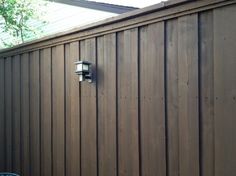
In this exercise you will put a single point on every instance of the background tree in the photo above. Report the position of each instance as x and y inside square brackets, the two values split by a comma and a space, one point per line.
[17, 17]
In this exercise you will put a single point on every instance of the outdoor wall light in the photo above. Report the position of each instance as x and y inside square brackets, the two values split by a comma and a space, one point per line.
[84, 70]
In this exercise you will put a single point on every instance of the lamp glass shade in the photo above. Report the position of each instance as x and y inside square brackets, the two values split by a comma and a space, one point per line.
[79, 67]
[85, 67]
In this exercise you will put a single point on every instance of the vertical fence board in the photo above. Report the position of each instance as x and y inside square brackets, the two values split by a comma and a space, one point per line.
[106, 79]
[58, 110]
[128, 103]
[207, 94]
[225, 90]
[2, 117]
[46, 111]
[8, 112]
[172, 97]
[16, 118]
[25, 121]
[72, 111]
[88, 114]
[152, 100]
[188, 95]
[34, 114]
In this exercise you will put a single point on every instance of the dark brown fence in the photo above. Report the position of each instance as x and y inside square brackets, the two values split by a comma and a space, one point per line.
[163, 103]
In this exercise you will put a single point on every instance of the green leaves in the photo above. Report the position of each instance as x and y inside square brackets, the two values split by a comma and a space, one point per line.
[16, 16]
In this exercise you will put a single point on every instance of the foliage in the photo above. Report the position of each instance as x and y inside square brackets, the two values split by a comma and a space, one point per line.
[17, 16]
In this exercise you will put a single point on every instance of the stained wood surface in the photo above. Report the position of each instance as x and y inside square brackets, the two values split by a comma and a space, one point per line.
[106, 80]
[172, 106]
[2, 116]
[16, 116]
[58, 111]
[225, 90]
[188, 95]
[25, 116]
[162, 101]
[46, 111]
[34, 110]
[8, 113]
[206, 94]
[89, 113]
[127, 95]
[72, 110]
[152, 100]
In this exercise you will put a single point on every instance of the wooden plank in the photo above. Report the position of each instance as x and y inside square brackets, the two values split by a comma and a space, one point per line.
[2, 117]
[188, 95]
[25, 119]
[106, 81]
[225, 90]
[152, 100]
[16, 115]
[128, 136]
[88, 113]
[72, 111]
[8, 112]
[58, 111]
[207, 94]
[172, 97]
[46, 111]
[34, 113]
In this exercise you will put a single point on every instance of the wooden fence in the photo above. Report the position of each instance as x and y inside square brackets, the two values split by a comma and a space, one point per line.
[163, 103]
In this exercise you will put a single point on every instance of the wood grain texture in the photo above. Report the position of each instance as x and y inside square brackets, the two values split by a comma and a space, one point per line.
[225, 90]
[188, 95]
[72, 111]
[172, 108]
[163, 101]
[128, 137]
[25, 116]
[16, 116]
[89, 113]
[58, 110]
[34, 113]
[8, 112]
[152, 100]
[207, 94]
[46, 111]
[106, 80]
[2, 116]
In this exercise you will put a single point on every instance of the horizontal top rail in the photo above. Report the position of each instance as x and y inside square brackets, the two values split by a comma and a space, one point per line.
[136, 18]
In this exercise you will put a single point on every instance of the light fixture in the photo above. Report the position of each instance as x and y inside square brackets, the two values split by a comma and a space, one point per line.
[84, 70]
